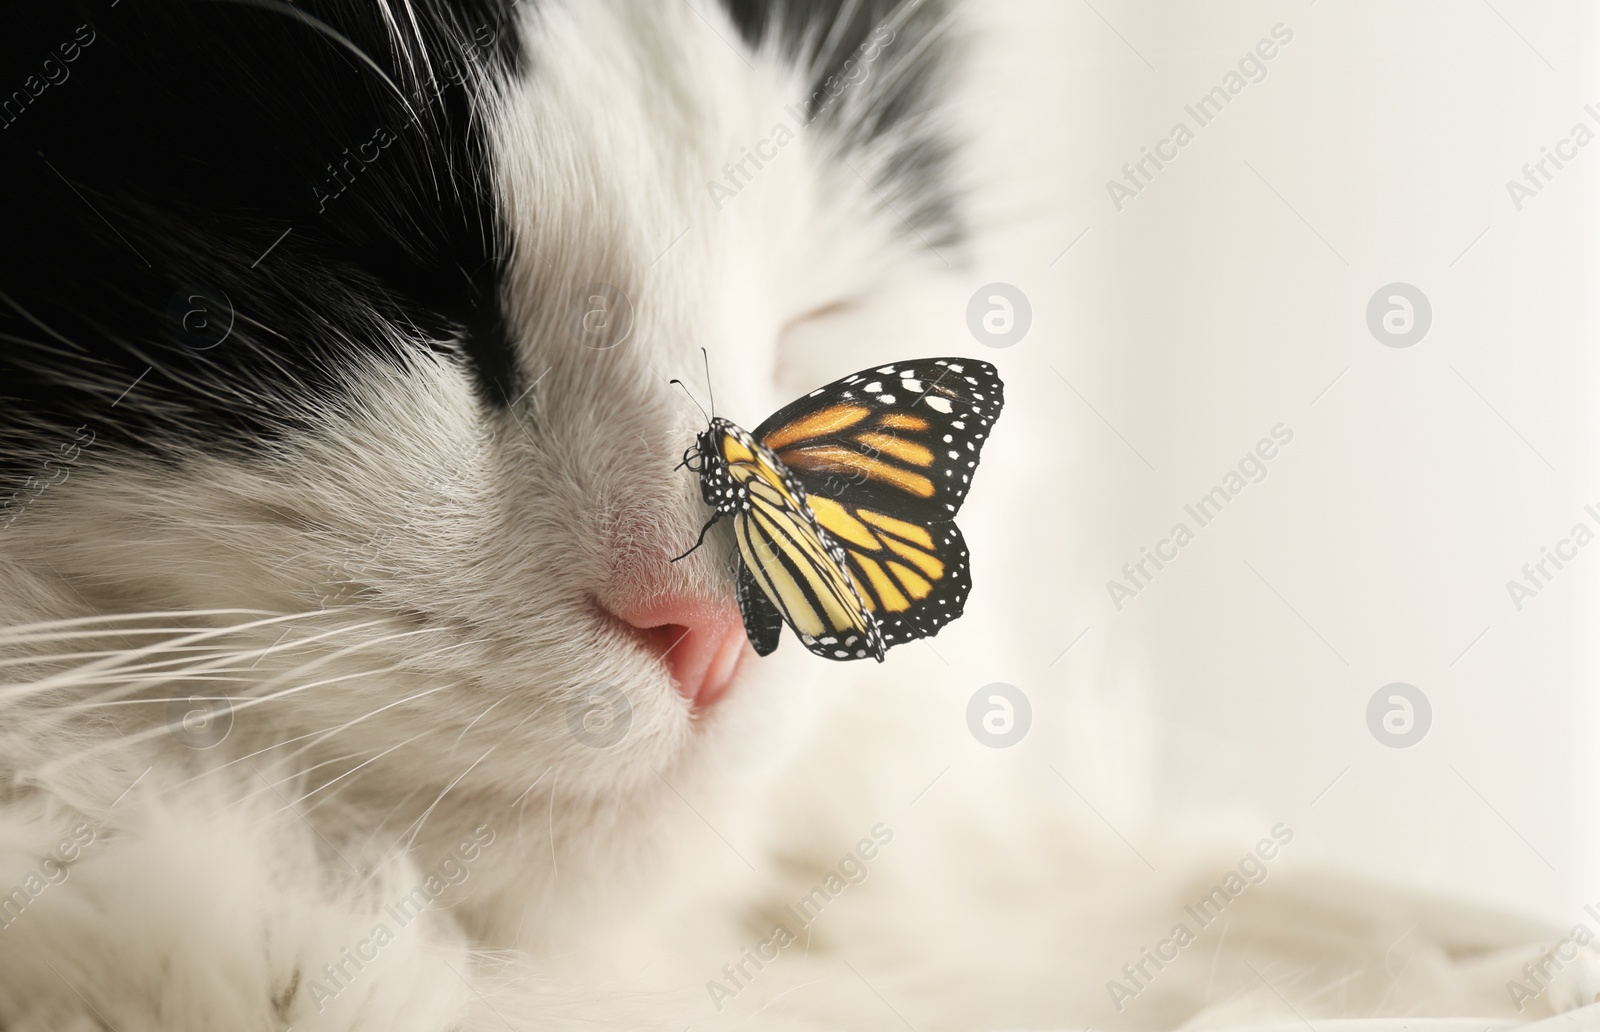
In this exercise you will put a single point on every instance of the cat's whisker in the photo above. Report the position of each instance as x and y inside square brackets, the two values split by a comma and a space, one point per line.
[273, 786]
[76, 675]
[254, 701]
[352, 770]
[416, 825]
[126, 685]
[379, 827]
[58, 658]
[8, 633]
[322, 736]
[246, 758]
[315, 738]
[521, 806]
[457, 743]
[521, 801]
[555, 867]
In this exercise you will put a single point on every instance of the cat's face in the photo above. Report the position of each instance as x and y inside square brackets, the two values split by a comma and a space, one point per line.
[344, 339]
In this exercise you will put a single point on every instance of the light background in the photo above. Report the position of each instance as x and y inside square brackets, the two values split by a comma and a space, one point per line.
[1230, 296]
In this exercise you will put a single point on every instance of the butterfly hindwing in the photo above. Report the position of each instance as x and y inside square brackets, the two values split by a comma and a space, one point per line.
[763, 624]
[792, 561]
[904, 435]
[913, 575]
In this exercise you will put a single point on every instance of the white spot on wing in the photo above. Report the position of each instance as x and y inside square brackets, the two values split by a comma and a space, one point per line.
[938, 404]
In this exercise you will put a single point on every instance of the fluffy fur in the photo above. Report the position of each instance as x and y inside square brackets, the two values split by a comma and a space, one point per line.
[389, 516]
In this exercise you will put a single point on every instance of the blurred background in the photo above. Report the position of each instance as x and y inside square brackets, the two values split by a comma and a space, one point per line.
[1182, 313]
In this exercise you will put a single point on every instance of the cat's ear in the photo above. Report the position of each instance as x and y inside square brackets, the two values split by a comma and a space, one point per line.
[762, 621]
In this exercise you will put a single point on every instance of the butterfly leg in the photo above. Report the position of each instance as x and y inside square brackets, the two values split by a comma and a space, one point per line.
[702, 538]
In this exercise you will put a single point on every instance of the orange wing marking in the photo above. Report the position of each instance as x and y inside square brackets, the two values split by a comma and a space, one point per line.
[899, 448]
[826, 421]
[835, 459]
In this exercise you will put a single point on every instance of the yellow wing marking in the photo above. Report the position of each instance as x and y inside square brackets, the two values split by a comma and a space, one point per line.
[777, 583]
[734, 451]
[834, 458]
[757, 474]
[807, 553]
[918, 587]
[841, 524]
[898, 447]
[883, 587]
[910, 531]
[930, 565]
[821, 423]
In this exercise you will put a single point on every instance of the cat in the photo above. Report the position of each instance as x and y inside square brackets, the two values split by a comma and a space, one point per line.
[348, 684]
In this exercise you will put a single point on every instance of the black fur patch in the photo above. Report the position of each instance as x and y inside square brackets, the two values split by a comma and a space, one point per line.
[211, 209]
[824, 37]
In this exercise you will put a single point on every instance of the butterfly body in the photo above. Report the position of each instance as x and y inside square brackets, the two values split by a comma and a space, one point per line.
[843, 505]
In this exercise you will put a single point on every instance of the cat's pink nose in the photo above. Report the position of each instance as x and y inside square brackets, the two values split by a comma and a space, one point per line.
[701, 642]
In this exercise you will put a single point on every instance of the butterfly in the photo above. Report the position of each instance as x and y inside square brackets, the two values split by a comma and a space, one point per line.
[843, 505]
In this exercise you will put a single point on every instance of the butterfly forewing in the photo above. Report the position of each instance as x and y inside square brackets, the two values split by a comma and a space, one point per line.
[886, 457]
[905, 435]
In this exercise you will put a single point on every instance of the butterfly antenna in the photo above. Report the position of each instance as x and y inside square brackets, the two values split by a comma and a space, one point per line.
[697, 404]
[712, 394]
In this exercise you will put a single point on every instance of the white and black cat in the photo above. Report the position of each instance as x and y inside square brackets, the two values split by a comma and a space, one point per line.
[347, 684]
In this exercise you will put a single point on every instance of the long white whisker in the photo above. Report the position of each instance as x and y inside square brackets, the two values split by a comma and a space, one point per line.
[77, 675]
[250, 703]
[324, 735]
[457, 743]
[274, 785]
[417, 824]
[82, 621]
[352, 770]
